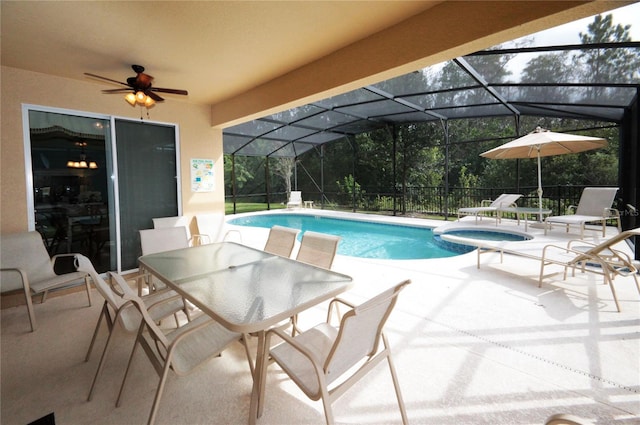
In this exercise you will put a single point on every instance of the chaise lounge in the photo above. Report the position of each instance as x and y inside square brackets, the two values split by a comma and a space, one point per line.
[505, 200]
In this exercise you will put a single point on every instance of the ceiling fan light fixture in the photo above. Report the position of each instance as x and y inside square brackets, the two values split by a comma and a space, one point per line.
[140, 97]
[131, 99]
[149, 102]
[93, 164]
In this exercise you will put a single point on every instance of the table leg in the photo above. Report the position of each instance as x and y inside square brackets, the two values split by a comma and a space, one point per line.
[257, 393]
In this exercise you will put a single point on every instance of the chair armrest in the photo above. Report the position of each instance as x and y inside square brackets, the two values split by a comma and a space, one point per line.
[294, 344]
[333, 304]
[23, 276]
[572, 207]
[611, 212]
[199, 239]
[485, 202]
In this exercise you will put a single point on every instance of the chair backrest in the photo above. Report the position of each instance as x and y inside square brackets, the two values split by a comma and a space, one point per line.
[596, 250]
[281, 240]
[318, 249]
[176, 221]
[505, 200]
[163, 239]
[25, 251]
[594, 200]
[295, 196]
[115, 297]
[211, 225]
[128, 295]
[360, 330]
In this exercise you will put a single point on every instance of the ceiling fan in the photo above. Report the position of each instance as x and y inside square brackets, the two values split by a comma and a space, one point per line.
[139, 88]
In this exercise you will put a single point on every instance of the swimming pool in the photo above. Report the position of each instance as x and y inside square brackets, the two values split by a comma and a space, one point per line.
[361, 239]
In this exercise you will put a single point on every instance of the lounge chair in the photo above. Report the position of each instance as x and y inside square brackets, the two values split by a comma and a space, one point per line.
[594, 207]
[295, 199]
[600, 258]
[605, 259]
[505, 200]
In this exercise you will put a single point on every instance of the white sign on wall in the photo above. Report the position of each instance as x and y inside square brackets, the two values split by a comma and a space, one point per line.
[202, 175]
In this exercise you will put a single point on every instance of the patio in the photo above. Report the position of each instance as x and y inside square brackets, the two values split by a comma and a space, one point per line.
[471, 346]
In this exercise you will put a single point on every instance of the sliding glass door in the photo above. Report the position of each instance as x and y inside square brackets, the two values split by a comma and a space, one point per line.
[147, 181]
[96, 181]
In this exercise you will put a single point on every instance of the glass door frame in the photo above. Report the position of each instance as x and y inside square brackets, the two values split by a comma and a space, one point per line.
[31, 222]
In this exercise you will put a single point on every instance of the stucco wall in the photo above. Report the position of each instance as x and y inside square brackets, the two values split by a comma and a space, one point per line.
[197, 138]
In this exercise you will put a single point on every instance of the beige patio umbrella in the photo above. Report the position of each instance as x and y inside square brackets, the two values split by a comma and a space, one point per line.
[541, 142]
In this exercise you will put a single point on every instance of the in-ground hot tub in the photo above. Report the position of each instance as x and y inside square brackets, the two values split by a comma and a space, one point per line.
[464, 239]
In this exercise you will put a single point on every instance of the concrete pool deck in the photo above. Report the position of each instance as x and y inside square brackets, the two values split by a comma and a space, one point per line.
[471, 346]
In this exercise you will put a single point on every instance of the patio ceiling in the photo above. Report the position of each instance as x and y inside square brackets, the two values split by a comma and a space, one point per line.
[411, 98]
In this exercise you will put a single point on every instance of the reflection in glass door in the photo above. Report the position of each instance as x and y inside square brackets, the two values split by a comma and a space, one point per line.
[84, 202]
[70, 162]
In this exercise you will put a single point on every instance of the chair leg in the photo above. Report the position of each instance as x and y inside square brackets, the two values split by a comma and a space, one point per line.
[245, 339]
[396, 385]
[326, 404]
[103, 359]
[609, 281]
[88, 286]
[126, 372]
[156, 400]
[29, 302]
[103, 313]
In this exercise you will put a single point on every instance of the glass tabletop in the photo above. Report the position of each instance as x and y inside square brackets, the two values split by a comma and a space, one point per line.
[199, 260]
[244, 289]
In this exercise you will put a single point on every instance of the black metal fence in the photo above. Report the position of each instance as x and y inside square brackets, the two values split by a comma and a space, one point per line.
[435, 201]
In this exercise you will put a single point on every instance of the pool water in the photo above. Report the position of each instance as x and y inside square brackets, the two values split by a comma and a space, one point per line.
[361, 239]
[485, 235]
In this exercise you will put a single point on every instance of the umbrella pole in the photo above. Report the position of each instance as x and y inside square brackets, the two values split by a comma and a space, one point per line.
[539, 187]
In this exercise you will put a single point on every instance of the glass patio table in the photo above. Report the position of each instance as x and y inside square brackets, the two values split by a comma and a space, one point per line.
[245, 289]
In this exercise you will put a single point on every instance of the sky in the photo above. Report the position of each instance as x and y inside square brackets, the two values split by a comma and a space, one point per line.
[568, 33]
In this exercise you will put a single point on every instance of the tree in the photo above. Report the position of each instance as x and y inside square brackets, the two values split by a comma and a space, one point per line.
[283, 168]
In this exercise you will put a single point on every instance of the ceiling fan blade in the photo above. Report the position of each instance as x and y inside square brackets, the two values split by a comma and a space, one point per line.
[116, 90]
[153, 96]
[106, 79]
[173, 91]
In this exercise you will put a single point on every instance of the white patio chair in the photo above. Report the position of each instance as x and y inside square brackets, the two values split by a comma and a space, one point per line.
[160, 240]
[177, 221]
[594, 207]
[180, 350]
[295, 199]
[25, 265]
[506, 200]
[318, 249]
[212, 228]
[325, 355]
[118, 310]
[281, 241]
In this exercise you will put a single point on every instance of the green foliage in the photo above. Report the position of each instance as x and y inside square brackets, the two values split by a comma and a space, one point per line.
[349, 190]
